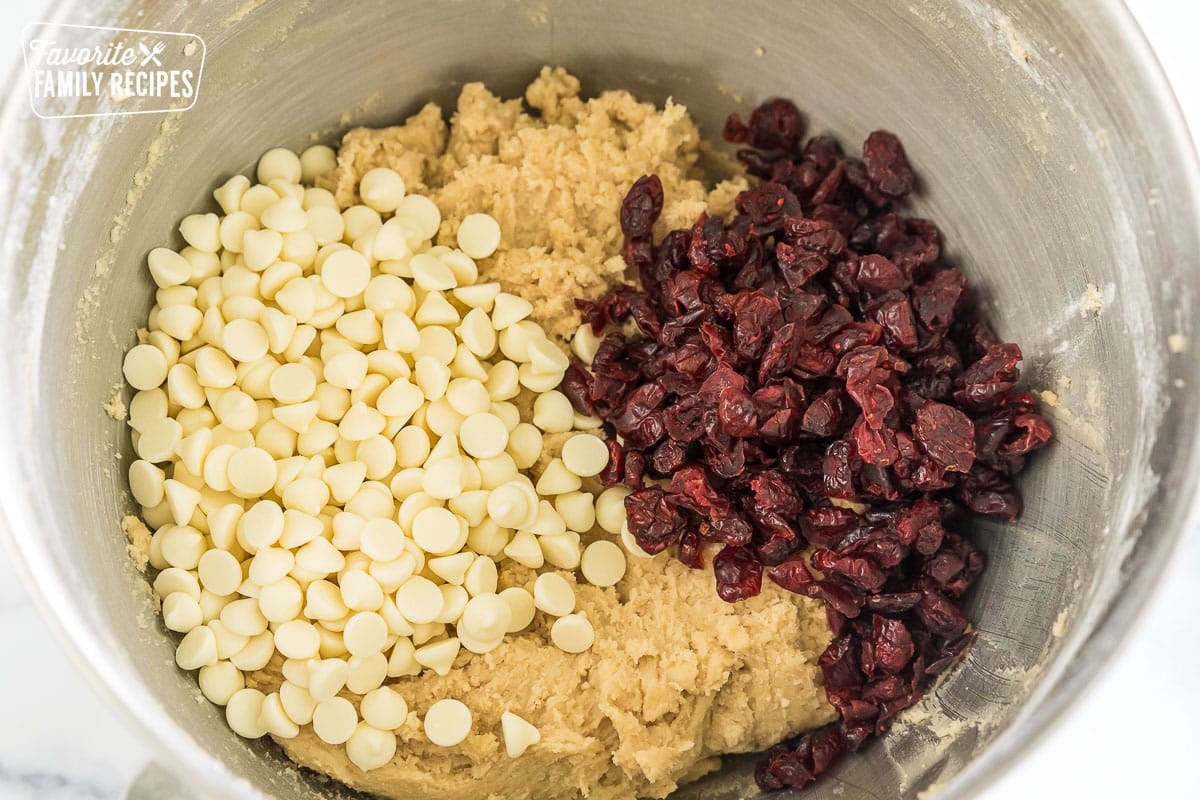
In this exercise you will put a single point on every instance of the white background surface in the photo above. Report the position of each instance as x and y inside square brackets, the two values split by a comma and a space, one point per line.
[1134, 735]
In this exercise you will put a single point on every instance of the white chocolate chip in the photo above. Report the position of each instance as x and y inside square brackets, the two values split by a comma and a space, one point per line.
[382, 539]
[577, 509]
[508, 310]
[519, 735]
[436, 310]
[220, 682]
[145, 367]
[447, 722]
[369, 747]
[453, 568]
[478, 235]
[437, 530]
[610, 508]
[558, 479]
[525, 550]
[274, 718]
[521, 608]
[553, 595]
[514, 341]
[585, 454]
[327, 677]
[365, 633]
[334, 720]
[481, 295]
[484, 435]
[381, 189]
[242, 712]
[508, 506]
[181, 612]
[345, 273]
[485, 620]
[197, 649]
[545, 357]
[603, 563]
[316, 161]
[297, 703]
[431, 274]
[438, 656]
[384, 708]
[256, 655]
[454, 600]
[572, 633]
[419, 600]
[279, 163]
[367, 673]
[561, 550]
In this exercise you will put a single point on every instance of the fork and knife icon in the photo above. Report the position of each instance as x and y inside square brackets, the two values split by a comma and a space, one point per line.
[151, 55]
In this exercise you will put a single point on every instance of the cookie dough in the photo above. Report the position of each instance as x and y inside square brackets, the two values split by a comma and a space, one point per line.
[676, 676]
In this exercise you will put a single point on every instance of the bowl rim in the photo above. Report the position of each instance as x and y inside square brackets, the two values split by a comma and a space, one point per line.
[1055, 694]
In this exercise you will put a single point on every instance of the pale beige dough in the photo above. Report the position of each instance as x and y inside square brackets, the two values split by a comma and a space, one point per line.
[677, 676]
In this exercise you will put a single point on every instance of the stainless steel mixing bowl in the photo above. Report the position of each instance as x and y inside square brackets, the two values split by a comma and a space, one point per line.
[1048, 146]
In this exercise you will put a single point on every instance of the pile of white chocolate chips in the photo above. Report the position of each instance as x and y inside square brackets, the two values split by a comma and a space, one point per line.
[332, 464]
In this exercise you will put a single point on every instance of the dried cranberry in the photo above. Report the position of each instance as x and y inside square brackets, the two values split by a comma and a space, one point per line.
[947, 436]
[641, 207]
[890, 646]
[774, 125]
[792, 575]
[614, 471]
[738, 573]
[887, 165]
[690, 550]
[653, 521]
[577, 386]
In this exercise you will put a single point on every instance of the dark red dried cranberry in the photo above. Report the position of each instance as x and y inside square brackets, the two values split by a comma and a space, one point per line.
[690, 550]
[614, 471]
[792, 575]
[641, 207]
[887, 165]
[947, 436]
[577, 386]
[774, 125]
[653, 521]
[738, 573]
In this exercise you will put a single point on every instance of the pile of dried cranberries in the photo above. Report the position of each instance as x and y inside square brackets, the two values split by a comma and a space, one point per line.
[822, 396]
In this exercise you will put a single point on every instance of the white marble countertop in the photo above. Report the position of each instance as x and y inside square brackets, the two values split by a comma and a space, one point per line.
[1129, 736]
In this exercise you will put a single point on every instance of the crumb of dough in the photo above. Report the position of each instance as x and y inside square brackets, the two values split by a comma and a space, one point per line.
[1060, 625]
[1093, 301]
[850, 505]
[115, 407]
[1050, 398]
[1177, 343]
[553, 181]
[676, 678]
[1015, 47]
[139, 540]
